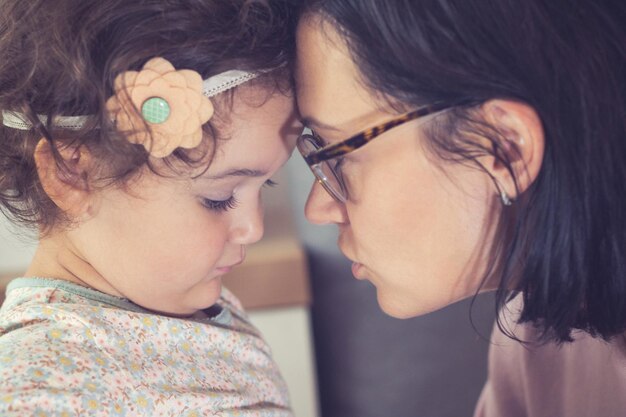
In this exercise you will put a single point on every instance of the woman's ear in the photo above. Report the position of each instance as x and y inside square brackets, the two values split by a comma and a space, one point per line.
[521, 142]
[66, 184]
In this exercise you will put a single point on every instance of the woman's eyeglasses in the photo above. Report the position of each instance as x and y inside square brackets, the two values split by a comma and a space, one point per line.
[324, 161]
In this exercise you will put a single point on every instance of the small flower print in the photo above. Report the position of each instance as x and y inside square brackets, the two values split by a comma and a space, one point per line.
[91, 386]
[100, 360]
[38, 374]
[91, 403]
[118, 409]
[88, 334]
[149, 350]
[67, 363]
[41, 413]
[135, 368]
[55, 334]
[143, 402]
[174, 329]
[148, 322]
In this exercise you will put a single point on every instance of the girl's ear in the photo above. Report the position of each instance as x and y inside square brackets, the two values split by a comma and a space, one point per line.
[522, 144]
[66, 184]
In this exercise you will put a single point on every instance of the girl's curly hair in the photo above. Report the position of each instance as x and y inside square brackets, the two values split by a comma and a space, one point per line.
[61, 58]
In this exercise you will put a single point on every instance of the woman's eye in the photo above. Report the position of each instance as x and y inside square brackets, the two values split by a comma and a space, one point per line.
[220, 205]
[270, 183]
[338, 164]
[319, 141]
[339, 172]
[337, 167]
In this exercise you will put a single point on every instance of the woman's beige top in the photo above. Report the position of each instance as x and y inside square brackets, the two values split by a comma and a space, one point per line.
[586, 378]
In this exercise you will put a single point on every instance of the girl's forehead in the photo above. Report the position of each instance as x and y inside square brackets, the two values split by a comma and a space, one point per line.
[258, 143]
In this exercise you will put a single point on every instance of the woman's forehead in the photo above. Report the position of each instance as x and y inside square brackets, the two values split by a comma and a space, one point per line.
[329, 92]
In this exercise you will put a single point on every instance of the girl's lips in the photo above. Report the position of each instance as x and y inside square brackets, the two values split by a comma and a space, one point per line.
[228, 268]
[224, 269]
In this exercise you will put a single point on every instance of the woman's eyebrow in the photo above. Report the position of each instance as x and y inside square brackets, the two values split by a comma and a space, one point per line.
[311, 122]
[236, 172]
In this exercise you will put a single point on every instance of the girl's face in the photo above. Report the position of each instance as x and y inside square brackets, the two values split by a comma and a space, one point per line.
[165, 243]
[413, 226]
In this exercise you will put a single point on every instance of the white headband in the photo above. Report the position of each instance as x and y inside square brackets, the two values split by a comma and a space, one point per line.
[210, 87]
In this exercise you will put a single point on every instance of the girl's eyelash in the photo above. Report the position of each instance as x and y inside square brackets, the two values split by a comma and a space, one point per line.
[270, 183]
[220, 206]
[230, 203]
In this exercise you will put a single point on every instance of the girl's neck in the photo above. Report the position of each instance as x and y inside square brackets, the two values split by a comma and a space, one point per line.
[57, 257]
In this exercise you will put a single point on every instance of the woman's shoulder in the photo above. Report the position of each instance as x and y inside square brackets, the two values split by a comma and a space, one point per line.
[528, 335]
[519, 346]
[527, 374]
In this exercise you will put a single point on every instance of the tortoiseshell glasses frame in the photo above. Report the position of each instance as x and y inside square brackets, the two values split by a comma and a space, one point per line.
[318, 156]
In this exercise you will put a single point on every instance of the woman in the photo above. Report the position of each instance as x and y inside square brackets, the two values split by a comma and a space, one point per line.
[464, 146]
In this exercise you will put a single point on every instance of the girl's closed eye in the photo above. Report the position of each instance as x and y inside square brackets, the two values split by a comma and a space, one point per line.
[220, 205]
[229, 203]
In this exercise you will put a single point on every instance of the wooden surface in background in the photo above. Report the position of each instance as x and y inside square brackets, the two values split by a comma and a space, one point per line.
[274, 274]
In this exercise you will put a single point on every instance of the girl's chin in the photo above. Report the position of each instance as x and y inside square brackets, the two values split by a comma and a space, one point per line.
[200, 297]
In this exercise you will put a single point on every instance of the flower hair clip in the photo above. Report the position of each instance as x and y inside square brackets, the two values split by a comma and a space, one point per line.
[158, 107]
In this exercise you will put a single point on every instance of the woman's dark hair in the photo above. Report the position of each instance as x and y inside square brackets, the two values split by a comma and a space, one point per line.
[61, 58]
[563, 244]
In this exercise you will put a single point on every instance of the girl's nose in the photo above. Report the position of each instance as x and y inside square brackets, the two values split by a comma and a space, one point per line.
[322, 208]
[247, 226]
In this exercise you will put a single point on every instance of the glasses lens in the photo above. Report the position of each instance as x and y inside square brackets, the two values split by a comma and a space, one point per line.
[307, 144]
[324, 170]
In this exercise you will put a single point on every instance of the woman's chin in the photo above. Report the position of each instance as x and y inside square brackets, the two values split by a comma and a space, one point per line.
[405, 307]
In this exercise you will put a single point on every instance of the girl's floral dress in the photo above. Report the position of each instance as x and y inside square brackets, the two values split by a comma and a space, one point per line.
[66, 350]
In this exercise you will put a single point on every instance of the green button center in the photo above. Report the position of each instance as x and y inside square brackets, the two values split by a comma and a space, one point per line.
[155, 110]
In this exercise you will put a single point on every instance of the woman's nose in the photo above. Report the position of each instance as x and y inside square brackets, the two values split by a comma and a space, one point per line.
[247, 226]
[322, 208]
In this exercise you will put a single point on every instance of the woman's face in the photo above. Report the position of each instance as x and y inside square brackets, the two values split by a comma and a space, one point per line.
[413, 225]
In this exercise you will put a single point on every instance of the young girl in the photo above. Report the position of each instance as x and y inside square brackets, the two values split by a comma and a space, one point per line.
[136, 137]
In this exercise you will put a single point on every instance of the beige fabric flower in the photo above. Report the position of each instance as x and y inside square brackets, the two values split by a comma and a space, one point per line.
[160, 108]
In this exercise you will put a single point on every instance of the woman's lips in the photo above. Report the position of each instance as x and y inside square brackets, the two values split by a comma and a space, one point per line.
[357, 270]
